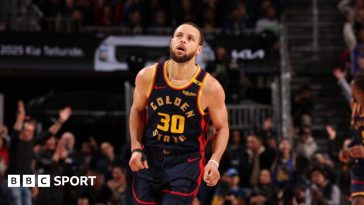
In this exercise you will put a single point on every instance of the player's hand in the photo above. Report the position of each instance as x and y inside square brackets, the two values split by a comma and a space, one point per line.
[211, 174]
[357, 151]
[137, 162]
[344, 155]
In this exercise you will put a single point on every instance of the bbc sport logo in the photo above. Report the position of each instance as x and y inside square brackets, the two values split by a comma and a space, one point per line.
[45, 180]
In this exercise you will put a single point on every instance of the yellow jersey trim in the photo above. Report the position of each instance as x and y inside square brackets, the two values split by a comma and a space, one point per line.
[151, 84]
[180, 87]
[199, 94]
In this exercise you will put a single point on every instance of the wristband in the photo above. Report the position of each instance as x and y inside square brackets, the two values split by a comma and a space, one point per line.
[137, 150]
[144, 156]
[214, 162]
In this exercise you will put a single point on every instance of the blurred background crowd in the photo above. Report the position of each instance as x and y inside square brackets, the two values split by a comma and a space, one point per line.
[261, 165]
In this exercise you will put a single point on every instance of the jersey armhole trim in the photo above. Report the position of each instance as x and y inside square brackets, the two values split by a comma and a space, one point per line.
[151, 84]
[199, 94]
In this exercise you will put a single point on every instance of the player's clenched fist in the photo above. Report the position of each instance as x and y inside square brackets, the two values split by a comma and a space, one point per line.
[138, 162]
[211, 174]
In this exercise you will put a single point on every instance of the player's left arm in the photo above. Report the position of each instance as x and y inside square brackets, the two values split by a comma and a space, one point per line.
[215, 100]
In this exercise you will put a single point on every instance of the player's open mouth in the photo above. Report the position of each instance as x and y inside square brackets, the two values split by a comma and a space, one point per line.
[180, 48]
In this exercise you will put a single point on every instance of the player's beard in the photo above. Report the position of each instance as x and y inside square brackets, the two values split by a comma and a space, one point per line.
[180, 59]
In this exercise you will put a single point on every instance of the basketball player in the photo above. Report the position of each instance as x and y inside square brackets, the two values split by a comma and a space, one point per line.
[356, 149]
[173, 102]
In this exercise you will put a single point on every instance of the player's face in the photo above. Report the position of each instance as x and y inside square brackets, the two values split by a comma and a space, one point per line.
[357, 94]
[185, 43]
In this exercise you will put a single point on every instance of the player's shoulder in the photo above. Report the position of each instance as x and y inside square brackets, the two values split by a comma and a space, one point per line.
[146, 74]
[212, 84]
[212, 87]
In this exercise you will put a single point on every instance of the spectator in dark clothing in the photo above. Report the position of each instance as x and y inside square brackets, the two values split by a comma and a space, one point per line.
[73, 160]
[322, 191]
[4, 152]
[305, 149]
[239, 19]
[268, 132]
[344, 169]
[97, 194]
[21, 150]
[118, 186]
[71, 165]
[255, 158]
[302, 107]
[265, 193]
[227, 73]
[108, 160]
[218, 68]
[323, 160]
[88, 155]
[159, 20]
[235, 149]
[51, 161]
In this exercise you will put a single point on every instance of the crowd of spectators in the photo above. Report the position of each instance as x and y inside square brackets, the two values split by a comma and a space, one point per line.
[26, 150]
[139, 15]
[258, 168]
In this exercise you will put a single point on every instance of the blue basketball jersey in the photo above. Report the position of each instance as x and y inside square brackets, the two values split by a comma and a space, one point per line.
[357, 123]
[175, 119]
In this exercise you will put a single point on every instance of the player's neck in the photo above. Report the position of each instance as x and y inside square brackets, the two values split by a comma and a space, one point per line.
[181, 71]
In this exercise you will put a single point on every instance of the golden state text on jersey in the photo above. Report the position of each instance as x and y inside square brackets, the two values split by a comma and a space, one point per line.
[175, 119]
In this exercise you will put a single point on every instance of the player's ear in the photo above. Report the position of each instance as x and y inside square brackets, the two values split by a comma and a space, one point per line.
[199, 50]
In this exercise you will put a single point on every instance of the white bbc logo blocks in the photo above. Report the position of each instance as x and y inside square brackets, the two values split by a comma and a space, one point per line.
[28, 180]
[44, 181]
[13, 180]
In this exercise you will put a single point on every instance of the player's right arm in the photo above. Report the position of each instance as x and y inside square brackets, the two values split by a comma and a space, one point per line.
[138, 117]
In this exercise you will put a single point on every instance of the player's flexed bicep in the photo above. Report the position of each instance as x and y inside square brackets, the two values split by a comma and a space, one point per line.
[137, 117]
[214, 100]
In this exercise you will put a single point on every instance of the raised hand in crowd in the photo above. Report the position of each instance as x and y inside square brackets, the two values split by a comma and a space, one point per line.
[61, 152]
[339, 73]
[331, 132]
[64, 115]
[20, 117]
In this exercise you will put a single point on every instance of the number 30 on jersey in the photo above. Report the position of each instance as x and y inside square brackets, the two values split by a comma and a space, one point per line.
[174, 124]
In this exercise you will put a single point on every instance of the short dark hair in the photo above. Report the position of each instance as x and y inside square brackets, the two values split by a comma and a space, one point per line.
[358, 81]
[202, 38]
[318, 168]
